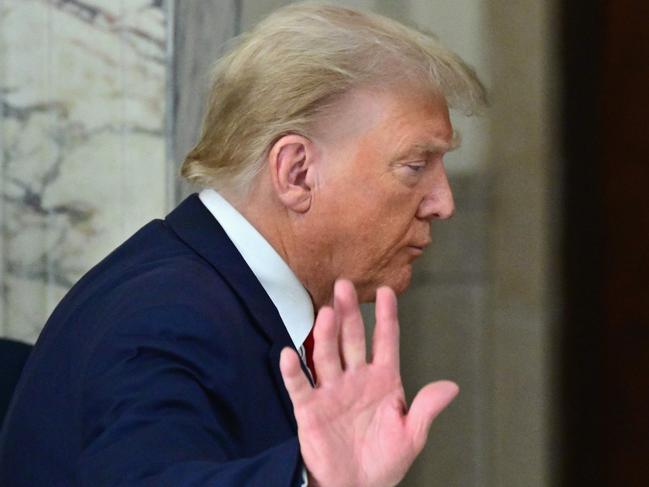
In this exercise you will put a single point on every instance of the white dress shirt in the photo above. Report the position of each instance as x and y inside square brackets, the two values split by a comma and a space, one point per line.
[278, 280]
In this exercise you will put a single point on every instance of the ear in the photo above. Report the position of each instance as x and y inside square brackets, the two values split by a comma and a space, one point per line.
[291, 161]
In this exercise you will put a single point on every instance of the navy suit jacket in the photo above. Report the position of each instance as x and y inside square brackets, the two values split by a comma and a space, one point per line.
[160, 367]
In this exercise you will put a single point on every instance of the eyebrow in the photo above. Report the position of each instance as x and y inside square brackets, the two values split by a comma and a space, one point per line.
[429, 148]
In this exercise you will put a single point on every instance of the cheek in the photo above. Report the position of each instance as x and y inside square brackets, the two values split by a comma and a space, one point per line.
[374, 239]
[396, 223]
[369, 220]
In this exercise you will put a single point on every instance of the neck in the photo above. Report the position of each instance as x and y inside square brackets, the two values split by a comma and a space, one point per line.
[281, 229]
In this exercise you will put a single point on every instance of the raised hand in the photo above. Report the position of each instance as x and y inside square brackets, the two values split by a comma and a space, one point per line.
[354, 427]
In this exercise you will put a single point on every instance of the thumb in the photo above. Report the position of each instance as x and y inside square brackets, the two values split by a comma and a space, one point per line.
[428, 403]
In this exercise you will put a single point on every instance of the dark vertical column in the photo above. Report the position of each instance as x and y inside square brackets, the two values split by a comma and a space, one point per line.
[625, 181]
[606, 247]
[581, 368]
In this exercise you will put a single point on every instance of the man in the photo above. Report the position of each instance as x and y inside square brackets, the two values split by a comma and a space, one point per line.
[180, 359]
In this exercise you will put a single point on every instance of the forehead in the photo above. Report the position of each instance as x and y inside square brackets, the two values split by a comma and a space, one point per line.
[398, 120]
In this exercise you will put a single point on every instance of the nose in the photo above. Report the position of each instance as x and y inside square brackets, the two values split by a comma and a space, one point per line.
[438, 202]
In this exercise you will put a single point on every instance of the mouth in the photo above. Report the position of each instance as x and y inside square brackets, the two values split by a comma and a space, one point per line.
[416, 249]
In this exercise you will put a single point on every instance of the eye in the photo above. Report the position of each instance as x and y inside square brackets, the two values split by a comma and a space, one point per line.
[416, 166]
[411, 172]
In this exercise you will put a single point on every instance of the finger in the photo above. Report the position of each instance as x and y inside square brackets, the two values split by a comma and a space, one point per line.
[352, 330]
[428, 403]
[326, 354]
[385, 344]
[295, 381]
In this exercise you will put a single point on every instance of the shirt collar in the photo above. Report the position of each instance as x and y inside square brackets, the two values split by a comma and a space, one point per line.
[278, 280]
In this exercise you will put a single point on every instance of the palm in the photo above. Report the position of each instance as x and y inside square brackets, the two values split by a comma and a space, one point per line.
[356, 428]
[353, 427]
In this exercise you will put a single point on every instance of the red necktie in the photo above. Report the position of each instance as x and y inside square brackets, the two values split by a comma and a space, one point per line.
[308, 351]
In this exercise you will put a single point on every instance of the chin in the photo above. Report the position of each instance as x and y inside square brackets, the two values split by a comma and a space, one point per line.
[398, 280]
[403, 282]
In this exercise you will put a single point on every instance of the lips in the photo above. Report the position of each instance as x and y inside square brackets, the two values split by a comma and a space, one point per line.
[417, 248]
[416, 251]
[420, 245]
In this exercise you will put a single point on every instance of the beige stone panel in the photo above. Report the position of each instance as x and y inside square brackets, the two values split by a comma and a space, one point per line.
[523, 242]
[442, 326]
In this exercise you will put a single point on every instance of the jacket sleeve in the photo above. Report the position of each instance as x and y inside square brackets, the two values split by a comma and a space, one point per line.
[156, 412]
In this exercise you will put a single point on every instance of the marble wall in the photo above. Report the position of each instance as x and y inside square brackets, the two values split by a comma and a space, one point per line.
[82, 142]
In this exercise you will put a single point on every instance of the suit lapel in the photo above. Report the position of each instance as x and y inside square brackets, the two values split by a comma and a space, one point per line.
[196, 226]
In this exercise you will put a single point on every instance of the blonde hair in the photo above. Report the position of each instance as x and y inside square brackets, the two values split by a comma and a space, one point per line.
[293, 66]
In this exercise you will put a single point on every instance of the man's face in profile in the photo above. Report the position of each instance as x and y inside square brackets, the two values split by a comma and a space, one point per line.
[382, 183]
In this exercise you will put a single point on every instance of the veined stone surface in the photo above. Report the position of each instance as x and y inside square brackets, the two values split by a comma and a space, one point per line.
[82, 143]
